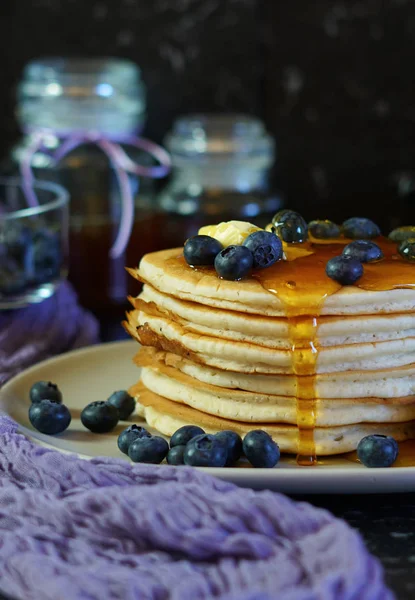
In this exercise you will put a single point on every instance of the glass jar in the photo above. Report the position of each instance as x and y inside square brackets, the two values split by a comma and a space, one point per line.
[33, 242]
[221, 166]
[61, 97]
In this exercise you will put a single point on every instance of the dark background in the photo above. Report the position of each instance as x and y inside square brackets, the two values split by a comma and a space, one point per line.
[333, 80]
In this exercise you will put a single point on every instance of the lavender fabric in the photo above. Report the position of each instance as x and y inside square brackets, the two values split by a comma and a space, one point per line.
[28, 335]
[103, 529]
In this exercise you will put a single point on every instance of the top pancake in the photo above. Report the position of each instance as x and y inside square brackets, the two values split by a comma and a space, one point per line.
[297, 286]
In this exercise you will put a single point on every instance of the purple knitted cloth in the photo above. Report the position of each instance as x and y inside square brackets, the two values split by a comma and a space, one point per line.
[28, 335]
[73, 529]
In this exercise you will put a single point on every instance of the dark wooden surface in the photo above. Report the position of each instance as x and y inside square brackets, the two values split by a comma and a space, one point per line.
[387, 524]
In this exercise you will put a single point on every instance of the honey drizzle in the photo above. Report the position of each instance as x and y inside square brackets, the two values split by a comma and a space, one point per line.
[304, 358]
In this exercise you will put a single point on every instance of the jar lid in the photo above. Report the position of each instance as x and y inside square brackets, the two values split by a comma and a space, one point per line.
[219, 134]
[76, 93]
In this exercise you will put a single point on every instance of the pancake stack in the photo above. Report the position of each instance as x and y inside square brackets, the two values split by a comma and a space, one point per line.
[316, 365]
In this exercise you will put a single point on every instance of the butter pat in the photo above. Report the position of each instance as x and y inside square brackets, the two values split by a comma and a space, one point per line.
[229, 233]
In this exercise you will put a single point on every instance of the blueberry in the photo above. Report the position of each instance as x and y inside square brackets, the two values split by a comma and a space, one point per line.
[324, 230]
[45, 390]
[344, 269]
[129, 435]
[260, 449]
[123, 402]
[184, 435]
[360, 228]
[290, 226]
[407, 249]
[176, 455]
[49, 417]
[17, 238]
[43, 259]
[99, 417]
[201, 250]
[266, 248]
[151, 450]
[205, 451]
[363, 251]
[12, 282]
[402, 233]
[233, 444]
[377, 451]
[234, 263]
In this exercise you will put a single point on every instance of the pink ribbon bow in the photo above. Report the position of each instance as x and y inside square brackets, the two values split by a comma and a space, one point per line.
[119, 160]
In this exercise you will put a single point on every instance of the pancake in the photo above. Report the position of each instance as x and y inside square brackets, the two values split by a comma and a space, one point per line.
[167, 416]
[388, 383]
[168, 273]
[252, 358]
[273, 332]
[238, 405]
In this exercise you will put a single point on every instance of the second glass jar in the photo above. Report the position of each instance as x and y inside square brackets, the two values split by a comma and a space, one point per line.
[221, 172]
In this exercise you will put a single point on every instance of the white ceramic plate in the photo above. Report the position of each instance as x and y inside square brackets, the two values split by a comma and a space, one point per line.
[94, 373]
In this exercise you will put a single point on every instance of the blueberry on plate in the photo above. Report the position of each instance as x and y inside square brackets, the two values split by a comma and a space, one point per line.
[290, 226]
[152, 450]
[233, 443]
[344, 269]
[363, 251]
[205, 451]
[407, 249]
[234, 263]
[324, 229]
[377, 451]
[400, 234]
[49, 417]
[260, 449]
[129, 435]
[123, 402]
[359, 228]
[99, 417]
[201, 250]
[266, 248]
[45, 390]
[185, 434]
[175, 455]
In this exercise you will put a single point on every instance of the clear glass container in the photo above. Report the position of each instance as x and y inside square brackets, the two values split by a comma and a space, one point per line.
[221, 166]
[33, 242]
[65, 96]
